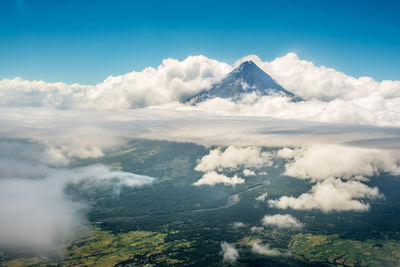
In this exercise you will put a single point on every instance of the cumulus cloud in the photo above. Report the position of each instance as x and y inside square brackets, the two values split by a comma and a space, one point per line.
[258, 248]
[234, 157]
[213, 178]
[262, 197]
[309, 81]
[320, 162]
[286, 153]
[173, 80]
[331, 96]
[231, 159]
[237, 225]
[229, 252]
[331, 195]
[285, 221]
[247, 172]
[338, 173]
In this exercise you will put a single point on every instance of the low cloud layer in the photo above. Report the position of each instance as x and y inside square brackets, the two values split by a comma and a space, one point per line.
[285, 221]
[36, 212]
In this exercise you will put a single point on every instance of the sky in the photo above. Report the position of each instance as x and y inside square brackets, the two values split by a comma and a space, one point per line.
[87, 41]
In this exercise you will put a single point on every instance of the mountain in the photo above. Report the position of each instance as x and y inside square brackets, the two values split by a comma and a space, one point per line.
[246, 78]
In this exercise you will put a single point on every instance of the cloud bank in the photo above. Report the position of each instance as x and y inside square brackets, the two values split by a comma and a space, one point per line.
[172, 81]
[330, 96]
[36, 213]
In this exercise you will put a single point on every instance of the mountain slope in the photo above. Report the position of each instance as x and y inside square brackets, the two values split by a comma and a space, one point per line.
[246, 78]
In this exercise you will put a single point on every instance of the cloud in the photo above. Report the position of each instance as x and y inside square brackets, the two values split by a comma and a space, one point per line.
[258, 248]
[320, 162]
[331, 195]
[229, 252]
[37, 215]
[286, 153]
[331, 96]
[337, 172]
[237, 225]
[285, 221]
[213, 178]
[303, 78]
[172, 81]
[262, 197]
[233, 158]
[56, 124]
[247, 172]
[369, 111]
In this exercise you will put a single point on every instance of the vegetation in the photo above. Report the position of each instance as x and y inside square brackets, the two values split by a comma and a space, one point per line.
[173, 222]
[334, 250]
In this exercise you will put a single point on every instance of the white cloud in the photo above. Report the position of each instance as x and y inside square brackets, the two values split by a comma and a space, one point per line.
[173, 80]
[331, 195]
[262, 197]
[237, 225]
[247, 172]
[286, 153]
[320, 162]
[258, 248]
[331, 96]
[229, 252]
[233, 158]
[368, 111]
[337, 172]
[285, 221]
[213, 178]
[36, 213]
[303, 78]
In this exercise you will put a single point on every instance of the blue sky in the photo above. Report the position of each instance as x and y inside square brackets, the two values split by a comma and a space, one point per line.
[86, 41]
